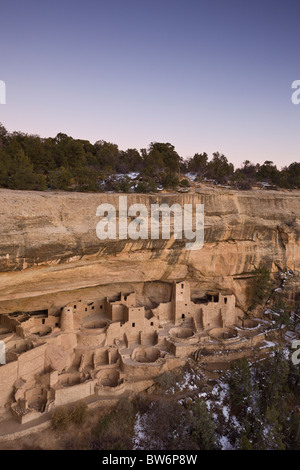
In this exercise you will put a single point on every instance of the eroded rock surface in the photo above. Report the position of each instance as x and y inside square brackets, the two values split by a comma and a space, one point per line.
[49, 247]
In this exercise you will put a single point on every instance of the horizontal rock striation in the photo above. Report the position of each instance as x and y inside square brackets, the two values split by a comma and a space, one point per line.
[48, 243]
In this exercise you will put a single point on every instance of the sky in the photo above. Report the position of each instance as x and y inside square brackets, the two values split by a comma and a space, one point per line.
[203, 75]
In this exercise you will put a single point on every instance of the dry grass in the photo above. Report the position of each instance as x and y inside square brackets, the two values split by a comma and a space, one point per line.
[73, 436]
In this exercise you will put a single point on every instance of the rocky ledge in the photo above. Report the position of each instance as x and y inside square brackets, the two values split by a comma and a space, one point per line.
[48, 242]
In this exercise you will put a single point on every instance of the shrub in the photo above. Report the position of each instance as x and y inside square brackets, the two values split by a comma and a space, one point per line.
[244, 185]
[60, 418]
[166, 380]
[63, 416]
[79, 412]
[185, 183]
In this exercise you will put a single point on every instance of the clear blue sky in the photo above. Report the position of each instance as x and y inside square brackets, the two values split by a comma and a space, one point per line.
[204, 75]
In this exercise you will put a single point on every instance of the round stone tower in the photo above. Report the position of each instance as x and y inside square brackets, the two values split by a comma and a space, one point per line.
[66, 319]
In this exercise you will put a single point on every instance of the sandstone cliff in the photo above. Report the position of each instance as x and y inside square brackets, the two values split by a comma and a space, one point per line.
[49, 250]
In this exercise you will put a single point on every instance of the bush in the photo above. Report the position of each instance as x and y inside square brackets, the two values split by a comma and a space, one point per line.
[123, 185]
[60, 418]
[79, 412]
[244, 185]
[63, 416]
[166, 380]
[185, 183]
[145, 186]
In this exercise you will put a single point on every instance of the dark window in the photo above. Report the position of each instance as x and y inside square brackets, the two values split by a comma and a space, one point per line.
[183, 315]
[151, 323]
[74, 306]
[225, 300]
[182, 286]
[133, 324]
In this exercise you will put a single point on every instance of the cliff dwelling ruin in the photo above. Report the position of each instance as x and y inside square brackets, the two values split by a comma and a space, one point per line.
[108, 346]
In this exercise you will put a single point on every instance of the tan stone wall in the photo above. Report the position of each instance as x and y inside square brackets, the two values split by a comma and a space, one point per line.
[76, 392]
[134, 315]
[114, 331]
[26, 366]
[164, 311]
[181, 297]
[147, 371]
[31, 362]
[67, 319]
[8, 376]
[117, 312]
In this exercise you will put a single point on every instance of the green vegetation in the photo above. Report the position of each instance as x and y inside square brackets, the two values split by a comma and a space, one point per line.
[114, 430]
[253, 406]
[29, 162]
[268, 418]
[259, 287]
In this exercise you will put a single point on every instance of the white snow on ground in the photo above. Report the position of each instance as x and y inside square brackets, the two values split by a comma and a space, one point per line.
[225, 444]
[268, 344]
[190, 381]
[191, 176]
[139, 433]
[133, 175]
[225, 411]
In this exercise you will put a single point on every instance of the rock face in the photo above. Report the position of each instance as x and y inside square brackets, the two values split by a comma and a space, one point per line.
[49, 246]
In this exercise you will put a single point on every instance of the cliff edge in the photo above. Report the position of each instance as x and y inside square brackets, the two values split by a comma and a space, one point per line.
[48, 242]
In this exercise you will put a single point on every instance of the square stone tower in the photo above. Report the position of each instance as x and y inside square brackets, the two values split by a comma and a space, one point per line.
[181, 300]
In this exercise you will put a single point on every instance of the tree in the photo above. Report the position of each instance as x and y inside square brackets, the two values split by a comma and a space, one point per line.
[203, 431]
[220, 169]
[166, 425]
[107, 154]
[61, 178]
[198, 164]
[272, 378]
[283, 319]
[259, 287]
[268, 172]
[292, 433]
[246, 175]
[169, 180]
[3, 168]
[21, 174]
[239, 383]
[130, 160]
[290, 176]
[3, 136]
[124, 184]
[272, 431]
[161, 157]
[86, 179]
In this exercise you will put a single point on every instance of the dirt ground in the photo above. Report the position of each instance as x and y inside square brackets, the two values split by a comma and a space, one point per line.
[75, 437]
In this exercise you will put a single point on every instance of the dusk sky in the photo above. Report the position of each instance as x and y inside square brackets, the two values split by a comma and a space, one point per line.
[204, 75]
